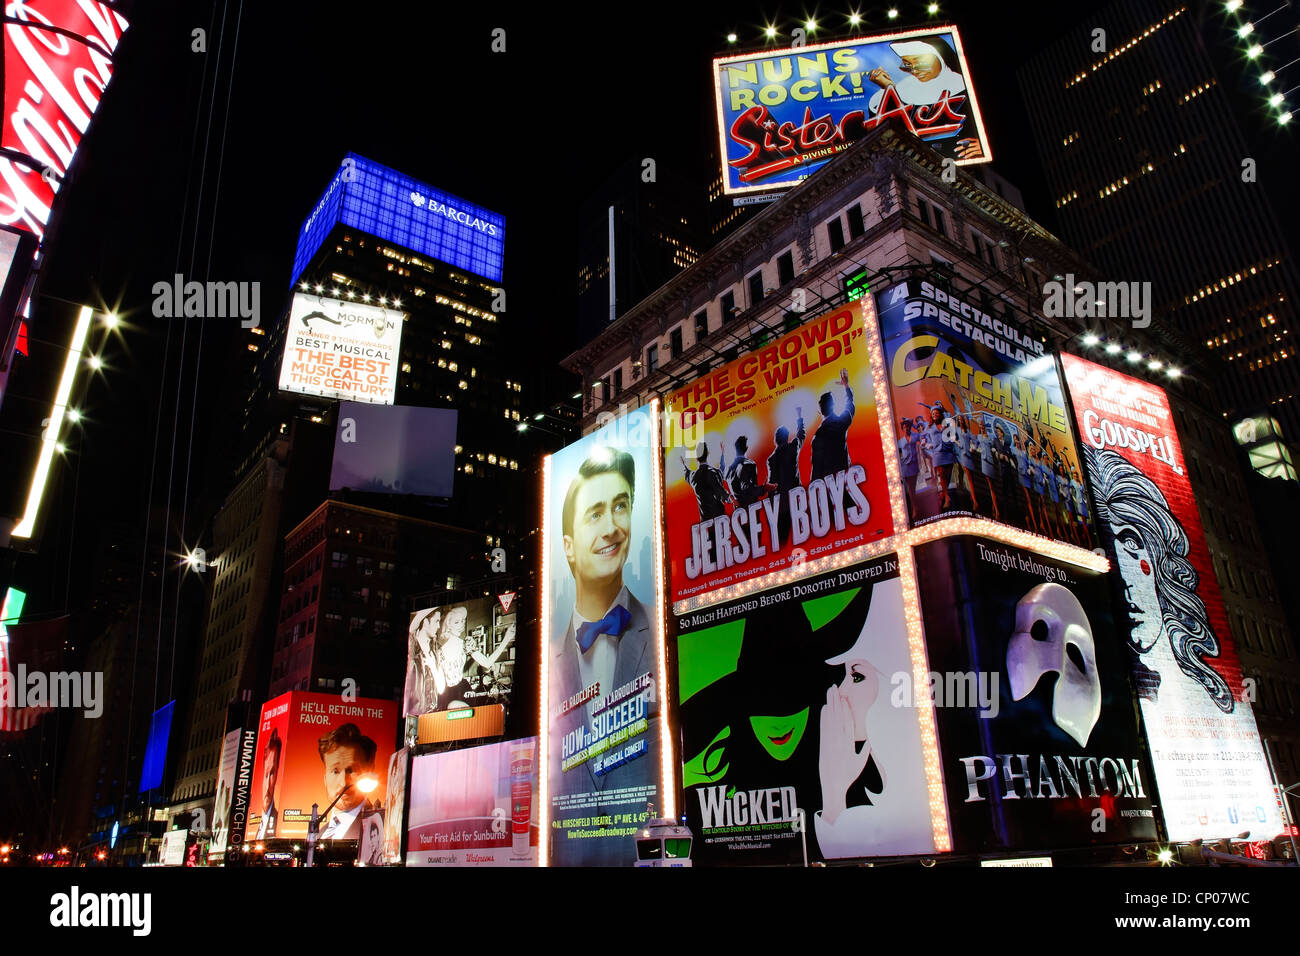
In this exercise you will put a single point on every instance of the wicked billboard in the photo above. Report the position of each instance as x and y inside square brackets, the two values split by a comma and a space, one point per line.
[787, 723]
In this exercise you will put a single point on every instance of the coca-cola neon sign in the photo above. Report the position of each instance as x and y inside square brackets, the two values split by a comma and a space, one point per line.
[58, 59]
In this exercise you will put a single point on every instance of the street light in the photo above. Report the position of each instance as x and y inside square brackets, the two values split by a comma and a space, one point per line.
[366, 784]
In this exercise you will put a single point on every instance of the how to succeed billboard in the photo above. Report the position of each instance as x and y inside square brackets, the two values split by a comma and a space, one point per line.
[782, 114]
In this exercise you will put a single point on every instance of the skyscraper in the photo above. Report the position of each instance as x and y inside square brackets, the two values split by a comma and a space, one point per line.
[1153, 181]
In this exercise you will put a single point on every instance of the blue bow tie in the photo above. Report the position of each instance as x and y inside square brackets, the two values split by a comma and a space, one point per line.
[613, 623]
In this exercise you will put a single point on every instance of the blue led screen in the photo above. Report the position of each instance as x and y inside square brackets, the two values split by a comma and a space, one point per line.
[394, 207]
[155, 754]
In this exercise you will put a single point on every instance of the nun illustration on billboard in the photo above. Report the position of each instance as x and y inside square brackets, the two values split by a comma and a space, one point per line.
[928, 79]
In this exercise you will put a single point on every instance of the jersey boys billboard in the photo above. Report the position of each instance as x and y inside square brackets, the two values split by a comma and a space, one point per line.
[343, 350]
[785, 707]
[604, 723]
[788, 467]
[1209, 763]
[782, 114]
[981, 425]
[1039, 735]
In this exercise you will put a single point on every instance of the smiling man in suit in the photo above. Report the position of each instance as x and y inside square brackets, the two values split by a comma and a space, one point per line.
[604, 644]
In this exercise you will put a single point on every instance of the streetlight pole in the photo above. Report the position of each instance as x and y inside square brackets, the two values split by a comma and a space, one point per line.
[365, 784]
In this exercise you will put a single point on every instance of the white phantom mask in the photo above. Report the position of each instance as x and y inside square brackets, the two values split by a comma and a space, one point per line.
[1049, 622]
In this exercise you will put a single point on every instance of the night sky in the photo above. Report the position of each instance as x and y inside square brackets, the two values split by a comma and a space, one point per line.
[527, 132]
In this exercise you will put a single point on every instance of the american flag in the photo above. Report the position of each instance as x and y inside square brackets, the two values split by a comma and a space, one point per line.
[38, 645]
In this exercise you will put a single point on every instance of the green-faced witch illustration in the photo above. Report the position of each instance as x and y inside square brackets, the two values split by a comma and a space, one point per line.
[760, 726]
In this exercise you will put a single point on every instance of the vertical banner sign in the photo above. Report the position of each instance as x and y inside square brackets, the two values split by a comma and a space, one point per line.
[788, 725]
[981, 428]
[1037, 730]
[241, 798]
[394, 823]
[228, 768]
[603, 685]
[776, 461]
[783, 114]
[475, 807]
[1210, 766]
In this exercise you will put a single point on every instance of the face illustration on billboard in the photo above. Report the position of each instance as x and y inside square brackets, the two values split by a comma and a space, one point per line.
[459, 655]
[1039, 741]
[779, 463]
[785, 695]
[981, 425]
[782, 114]
[1205, 748]
[604, 652]
[316, 749]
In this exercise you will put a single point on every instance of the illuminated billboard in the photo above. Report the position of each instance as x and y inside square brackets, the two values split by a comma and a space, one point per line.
[58, 59]
[783, 114]
[1029, 681]
[312, 747]
[394, 820]
[782, 466]
[460, 656]
[393, 206]
[221, 807]
[982, 427]
[394, 449]
[1210, 766]
[475, 807]
[786, 707]
[604, 719]
[155, 754]
[342, 350]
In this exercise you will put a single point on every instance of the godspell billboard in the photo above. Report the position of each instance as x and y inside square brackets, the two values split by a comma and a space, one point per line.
[782, 114]
[1205, 747]
[787, 723]
[788, 468]
[1037, 729]
[981, 416]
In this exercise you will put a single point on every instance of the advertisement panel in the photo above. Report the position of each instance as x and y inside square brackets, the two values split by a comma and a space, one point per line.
[1209, 763]
[982, 428]
[173, 848]
[783, 114]
[461, 723]
[53, 82]
[1037, 730]
[394, 818]
[241, 798]
[475, 807]
[310, 748]
[388, 204]
[785, 465]
[785, 707]
[604, 729]
[394, 449]
[459, 655]
[221, 807]
[343, 350]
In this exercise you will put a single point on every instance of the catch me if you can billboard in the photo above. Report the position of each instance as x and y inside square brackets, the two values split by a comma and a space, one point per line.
[782, 114]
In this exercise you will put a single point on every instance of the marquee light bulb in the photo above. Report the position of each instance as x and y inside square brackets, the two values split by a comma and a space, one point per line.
[1275, 99]
[1134, 357]
[1284, 118]
[855, 19]
[1267, 77]
[770, 33]
[1090, 339]
[95, 362]
[1245, 30]
[811, 25]
[1113, 349]
[1254, 51]
[932, 8]
[1234, 5]
[731, 38]
[1174, 372]
[893, 13]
